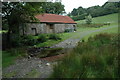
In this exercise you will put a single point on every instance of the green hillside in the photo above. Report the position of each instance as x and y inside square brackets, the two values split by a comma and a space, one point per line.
[112, 18]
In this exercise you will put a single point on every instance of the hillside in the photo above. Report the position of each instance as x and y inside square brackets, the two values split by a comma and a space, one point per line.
[112, 18]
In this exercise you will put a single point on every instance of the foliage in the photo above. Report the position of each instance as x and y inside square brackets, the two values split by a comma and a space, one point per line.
[88, 19]
[53, 8]
[54, 37]
[42, 38]
[15, 40]
[78, 11]
[28, 40]
[95, 11]
[69, 30]
[100, 39]
[25, 13]
[79, 17]
[89, 61]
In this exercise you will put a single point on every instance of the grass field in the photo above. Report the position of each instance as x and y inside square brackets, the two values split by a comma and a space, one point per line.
[112, 18]
[109, 31]
[7, 59]
[96, 58]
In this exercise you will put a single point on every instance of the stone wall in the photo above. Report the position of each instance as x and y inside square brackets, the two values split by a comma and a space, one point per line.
[40, 28]
[61, 27]
[37, 28]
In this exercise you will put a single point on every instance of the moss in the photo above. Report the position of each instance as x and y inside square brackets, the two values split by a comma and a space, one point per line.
[32, 74]
[9, 75]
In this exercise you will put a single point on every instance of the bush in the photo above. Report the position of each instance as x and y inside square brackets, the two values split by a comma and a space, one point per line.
[54, 37]
[88, 19]
[29, 40]
[69, 30]
[42, 38]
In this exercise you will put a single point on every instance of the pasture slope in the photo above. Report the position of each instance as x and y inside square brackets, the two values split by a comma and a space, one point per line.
[112, 18]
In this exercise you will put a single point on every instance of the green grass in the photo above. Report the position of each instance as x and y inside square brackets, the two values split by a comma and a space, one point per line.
[7, 59]
[10, 75]
[112, 18]
[9, 56]
[32, 74]
[77, 34]
[93, 59]
[110, 31]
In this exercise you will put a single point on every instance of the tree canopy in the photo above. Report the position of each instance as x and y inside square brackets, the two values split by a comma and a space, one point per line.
[95, 11]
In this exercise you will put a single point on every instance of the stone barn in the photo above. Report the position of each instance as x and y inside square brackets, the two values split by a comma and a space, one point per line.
[49, 23]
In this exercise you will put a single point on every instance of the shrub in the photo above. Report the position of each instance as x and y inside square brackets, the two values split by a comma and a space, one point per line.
[54, 37]
[88, 19]
[42, 38]
[29, 40]
[68, 30]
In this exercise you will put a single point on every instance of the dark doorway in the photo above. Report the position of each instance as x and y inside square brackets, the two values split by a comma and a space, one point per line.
[51, 28]
[34, 31]
[74, 27]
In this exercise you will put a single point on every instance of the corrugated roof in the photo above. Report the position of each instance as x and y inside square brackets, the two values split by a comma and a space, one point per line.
[54, 18]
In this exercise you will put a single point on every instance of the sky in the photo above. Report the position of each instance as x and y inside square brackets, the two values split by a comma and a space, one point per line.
[71, 4]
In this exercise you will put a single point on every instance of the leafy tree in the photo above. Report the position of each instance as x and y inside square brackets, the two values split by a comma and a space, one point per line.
[81, 10]
[88, 19]
[15, 13]
[74, 12]
[110, 7]
[54, 8]
[95, 11]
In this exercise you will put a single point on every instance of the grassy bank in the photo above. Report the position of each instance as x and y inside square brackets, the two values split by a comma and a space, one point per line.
[9, 56]
[110, 31]
[97, 58]
[112, 18]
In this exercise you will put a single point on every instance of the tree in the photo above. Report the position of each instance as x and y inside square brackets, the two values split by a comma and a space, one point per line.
[15, 13]
[110, 7]
[81, 10]
[88, 19]
[95, 11]
[53, 8]
[74, 12]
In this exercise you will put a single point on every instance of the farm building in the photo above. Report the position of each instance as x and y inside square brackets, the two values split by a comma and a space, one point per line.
[49, 23]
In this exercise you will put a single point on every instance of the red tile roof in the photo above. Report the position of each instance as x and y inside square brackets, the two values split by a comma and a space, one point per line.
[54, 18]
